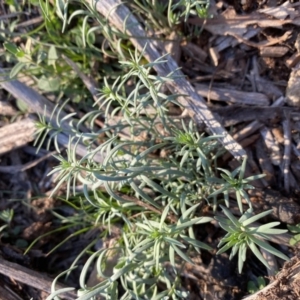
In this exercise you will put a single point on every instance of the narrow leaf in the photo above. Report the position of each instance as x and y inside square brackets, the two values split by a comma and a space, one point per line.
[182, 254]
[256, 217]
[258, 254]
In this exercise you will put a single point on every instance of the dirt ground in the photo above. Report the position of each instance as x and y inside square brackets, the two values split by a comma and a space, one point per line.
[246, 65]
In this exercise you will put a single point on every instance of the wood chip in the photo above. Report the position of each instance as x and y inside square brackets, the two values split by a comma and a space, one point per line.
[6, 109]
[247, 130]
[244, 143]
[16, 135]
[172, 46]
[235, 114]
[285, 210]
[223, 42]
[280, 12]
[272, 145]
[295, 166]
[285, 284]
[265, 162]
[293, 88]
[278, 134]
[267, 87]
[194, 51]
[230, 41]
[263, 44]
[292, 61]
[276, 51]
[229, 22]
[296, 152]
[232, 95]
[31, 278]
[214, 55]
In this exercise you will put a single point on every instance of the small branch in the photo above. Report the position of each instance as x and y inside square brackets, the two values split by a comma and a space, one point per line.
[7, 294]
[247, 130]
[37, 104]
[31, 278]
[21, 168]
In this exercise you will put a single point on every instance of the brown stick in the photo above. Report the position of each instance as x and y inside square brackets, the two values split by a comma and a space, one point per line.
[39, 104]
[32, 278]
[21, 168]
[6, 294]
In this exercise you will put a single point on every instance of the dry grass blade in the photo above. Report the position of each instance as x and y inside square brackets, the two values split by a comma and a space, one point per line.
[7, 294]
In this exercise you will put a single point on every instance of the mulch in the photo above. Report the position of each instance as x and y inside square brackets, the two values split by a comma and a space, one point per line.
[245, 65]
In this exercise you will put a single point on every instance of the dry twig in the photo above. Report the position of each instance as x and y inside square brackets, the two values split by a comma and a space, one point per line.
[31, 278]
[39, 104]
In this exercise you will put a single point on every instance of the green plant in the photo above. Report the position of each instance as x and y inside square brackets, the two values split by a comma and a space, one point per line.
[238, 185]
[149, 240]
[157, 173]
[255, 286]
[240, 236]
[7, 231]
[296, 230]
[6, 216]
[164, 195]
[188, 7]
